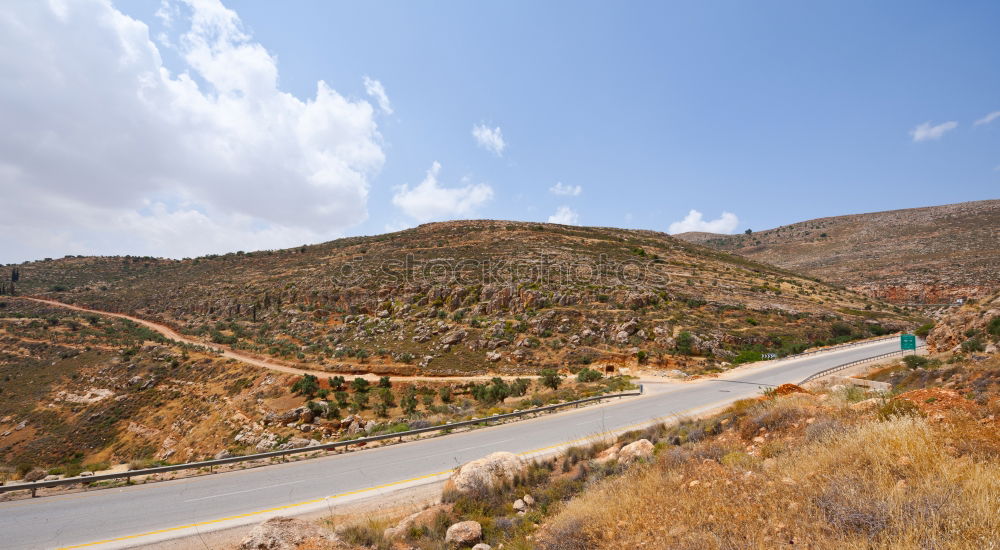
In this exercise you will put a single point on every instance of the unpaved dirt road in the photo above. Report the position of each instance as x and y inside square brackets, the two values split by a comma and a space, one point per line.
[248, 358]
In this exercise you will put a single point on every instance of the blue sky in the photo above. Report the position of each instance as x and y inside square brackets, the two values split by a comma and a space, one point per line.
[775, 112]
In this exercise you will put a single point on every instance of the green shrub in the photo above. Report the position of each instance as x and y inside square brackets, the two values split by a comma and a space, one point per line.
[588, 375]
[360, 385]
[993, 327]
[550, 378]
[973, 344]
[916, 361]
[923, 330]
[897, 407]
[445, 394]
[747, 356]
[684, 343]
[409, 402]
[308, 385]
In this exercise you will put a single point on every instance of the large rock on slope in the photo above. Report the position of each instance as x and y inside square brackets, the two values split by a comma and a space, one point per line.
[464, 533]
[486, 472]
[637, 450]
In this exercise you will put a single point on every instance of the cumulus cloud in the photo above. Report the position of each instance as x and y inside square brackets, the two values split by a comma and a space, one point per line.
[566, 216]
[375, 89]
[568, 190]
[987, 119]
[694, 221]
[105, 150]
[489, 139]
[429, 201]
[926, 131]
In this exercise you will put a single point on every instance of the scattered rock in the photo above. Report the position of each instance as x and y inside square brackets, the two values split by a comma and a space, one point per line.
[296, 443]
[35, 475]
[519, 505]
[866, 405]
[423, 518]
[454, 337]
[642, 449]
[482, 546]
[464, 532]
[283, 533]
[607, 455]
[224, 453]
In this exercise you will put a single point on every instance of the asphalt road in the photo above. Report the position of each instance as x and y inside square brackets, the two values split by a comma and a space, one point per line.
[141, 514]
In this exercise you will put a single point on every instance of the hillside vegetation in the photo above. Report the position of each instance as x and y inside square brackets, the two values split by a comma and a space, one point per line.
[85, 392]
[918, 255]
[836, 467]
[478, 296]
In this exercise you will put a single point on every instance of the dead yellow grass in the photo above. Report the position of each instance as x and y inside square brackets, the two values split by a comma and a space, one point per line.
[901, 483]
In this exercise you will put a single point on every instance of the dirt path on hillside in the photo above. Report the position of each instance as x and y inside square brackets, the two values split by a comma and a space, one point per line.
[247, 358]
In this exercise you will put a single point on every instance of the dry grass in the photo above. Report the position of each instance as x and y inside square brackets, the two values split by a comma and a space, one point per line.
[901, 483]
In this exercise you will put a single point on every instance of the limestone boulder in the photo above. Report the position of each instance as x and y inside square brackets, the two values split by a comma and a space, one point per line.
[486, 472]
[464, 533]
[637, 450]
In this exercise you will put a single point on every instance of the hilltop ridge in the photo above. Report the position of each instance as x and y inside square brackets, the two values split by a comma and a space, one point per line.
[933, 254]
[470, 297]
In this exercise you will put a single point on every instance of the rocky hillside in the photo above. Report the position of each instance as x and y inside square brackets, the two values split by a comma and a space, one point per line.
[974, 327]
[478, 296]
[87, 392]
[918, 255]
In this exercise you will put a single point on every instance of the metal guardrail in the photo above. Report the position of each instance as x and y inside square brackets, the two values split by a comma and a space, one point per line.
[35, 485]
[847, 345]
[839, 368]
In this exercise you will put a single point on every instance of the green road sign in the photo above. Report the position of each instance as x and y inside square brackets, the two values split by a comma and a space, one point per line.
[907, 341]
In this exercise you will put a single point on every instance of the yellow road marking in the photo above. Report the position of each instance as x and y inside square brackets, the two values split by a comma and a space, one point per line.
[375, 488]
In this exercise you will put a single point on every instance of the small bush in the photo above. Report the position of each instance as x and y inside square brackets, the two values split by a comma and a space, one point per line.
[993, 327]
[588, 375]
[923, 330]
[895, 408]
[916, 361]
[972, 345]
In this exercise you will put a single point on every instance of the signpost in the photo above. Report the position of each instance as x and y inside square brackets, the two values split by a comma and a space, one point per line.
[908, 341]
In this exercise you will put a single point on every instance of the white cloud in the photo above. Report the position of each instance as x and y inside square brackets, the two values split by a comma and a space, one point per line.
[429, 201]
[566, 216]
[726, 223]
[489, 139]
[569, 190]
[375, 89]
[987, 119]
[110, 152]
[926, 132]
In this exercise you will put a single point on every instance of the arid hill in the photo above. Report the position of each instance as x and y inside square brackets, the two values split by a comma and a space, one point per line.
[919, 255]
[973, 327]
[478, 296]
[82, 391]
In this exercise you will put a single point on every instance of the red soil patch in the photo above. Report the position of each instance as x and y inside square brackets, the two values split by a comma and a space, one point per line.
[935, 402]
[786, 389]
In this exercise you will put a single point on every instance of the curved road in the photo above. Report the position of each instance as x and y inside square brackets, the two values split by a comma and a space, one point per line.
[141, 514]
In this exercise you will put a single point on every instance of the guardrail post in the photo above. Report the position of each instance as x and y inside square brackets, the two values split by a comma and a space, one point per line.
[33, 489]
